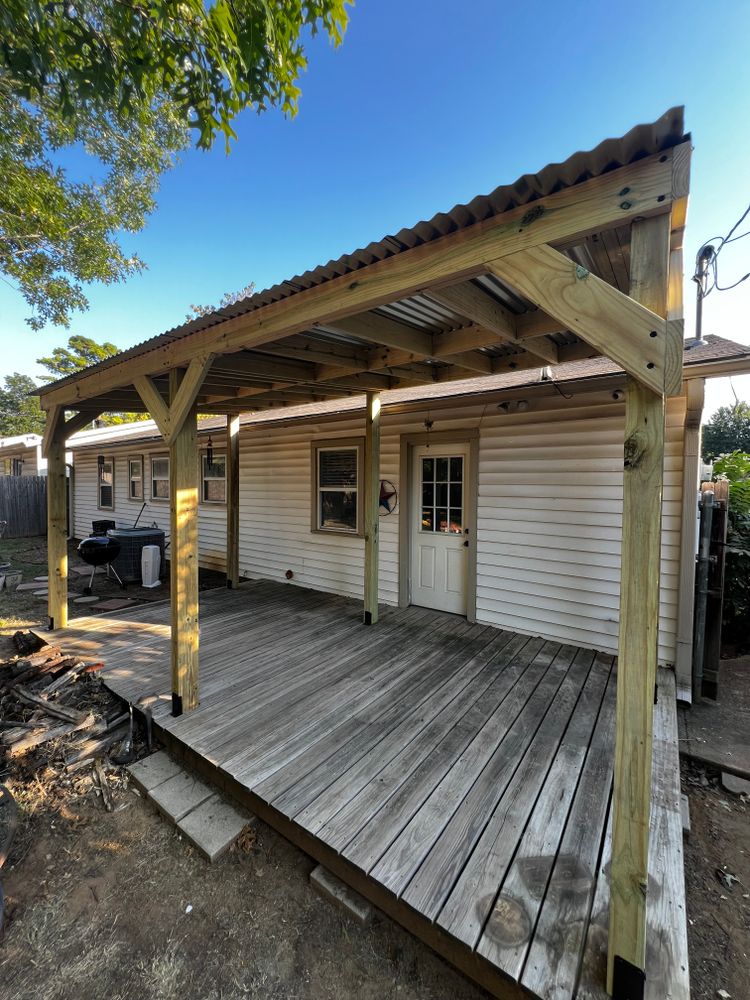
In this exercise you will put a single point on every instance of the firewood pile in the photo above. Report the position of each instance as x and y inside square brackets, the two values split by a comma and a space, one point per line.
[55, 706]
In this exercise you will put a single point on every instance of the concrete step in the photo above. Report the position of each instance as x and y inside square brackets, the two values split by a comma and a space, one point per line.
[207, 820]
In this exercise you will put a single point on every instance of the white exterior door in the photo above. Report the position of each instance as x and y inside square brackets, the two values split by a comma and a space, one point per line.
[439, 530]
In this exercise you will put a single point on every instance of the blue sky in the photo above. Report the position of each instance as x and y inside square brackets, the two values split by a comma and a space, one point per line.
[426, 104]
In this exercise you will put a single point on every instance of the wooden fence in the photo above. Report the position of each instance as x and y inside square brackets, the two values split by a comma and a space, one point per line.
[23, 504]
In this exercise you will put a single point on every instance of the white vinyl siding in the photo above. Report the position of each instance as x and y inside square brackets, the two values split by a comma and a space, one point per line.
[548, 519]
[212, 520]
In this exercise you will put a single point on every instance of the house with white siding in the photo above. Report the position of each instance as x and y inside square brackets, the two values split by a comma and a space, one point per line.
[506, 503]
[21, 455]
[453, 490]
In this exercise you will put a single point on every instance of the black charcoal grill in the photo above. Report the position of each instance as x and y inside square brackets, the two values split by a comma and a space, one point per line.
[100, 550]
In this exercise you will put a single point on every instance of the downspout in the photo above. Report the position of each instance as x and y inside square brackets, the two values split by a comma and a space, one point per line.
[704, 562]
[691, 454]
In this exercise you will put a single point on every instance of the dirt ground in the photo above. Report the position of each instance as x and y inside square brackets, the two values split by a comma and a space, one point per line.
[99, 909]
[116, 905]
[22, 609]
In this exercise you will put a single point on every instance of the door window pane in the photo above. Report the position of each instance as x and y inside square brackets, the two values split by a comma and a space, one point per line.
[442, 494]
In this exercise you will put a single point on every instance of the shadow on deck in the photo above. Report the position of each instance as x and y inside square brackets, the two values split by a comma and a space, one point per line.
[456, 775]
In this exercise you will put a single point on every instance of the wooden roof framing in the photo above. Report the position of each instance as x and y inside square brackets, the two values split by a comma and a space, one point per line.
[509, 292]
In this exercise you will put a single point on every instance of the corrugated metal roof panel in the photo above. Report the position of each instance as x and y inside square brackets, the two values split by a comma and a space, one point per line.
[640, 142]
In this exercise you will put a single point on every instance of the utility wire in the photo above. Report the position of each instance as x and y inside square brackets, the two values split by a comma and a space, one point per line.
[706, 261]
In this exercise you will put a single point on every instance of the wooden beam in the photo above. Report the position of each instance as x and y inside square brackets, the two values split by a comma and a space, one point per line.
[78, 421]
[381, 330]
[616, 325]
[55, 418]
[638, 631]
[183, 561]
[154, 403]
[372, 507]
[537, 323]
[57, 528]
[181, 405]
[588, 207]
[233, 501]
[473, 303]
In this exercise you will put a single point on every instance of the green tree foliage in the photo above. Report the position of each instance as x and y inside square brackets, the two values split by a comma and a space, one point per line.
[20, 413]
[124, 82]
[735, 467]
[728, 430]
[79, 354]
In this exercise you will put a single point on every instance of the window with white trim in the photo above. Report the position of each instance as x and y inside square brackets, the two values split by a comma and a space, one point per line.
[105, 483]
[135, 477]
[160, 477]
[213, 478]
[337, 476]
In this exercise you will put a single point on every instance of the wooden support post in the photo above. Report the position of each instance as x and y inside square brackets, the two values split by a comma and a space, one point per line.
[183, 473]
[372, 506]
[57, 529]
[691, 457]
[639, 628]
[233, 501]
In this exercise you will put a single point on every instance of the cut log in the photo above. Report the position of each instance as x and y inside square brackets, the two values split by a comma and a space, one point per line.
[66, 714]
[93, 748]
[28, 642]
[45, 735]
[101, 778]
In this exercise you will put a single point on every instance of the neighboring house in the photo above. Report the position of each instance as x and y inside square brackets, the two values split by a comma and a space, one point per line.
[21, 455]
[534, 488]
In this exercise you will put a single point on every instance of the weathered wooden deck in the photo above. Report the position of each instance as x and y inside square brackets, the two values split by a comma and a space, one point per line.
[457, 775]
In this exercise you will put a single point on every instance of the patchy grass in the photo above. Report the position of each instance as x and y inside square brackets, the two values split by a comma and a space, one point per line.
[19, 608]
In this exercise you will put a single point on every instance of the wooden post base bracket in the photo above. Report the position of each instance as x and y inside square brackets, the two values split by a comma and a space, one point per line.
[628, 981]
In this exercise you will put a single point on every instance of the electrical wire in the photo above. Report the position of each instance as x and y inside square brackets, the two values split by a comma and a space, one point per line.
[706, 260]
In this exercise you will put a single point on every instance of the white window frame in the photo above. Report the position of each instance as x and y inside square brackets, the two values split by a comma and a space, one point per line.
[99, 467]
[337, 444]
[168, 497]
[213, 479]
[131, 478]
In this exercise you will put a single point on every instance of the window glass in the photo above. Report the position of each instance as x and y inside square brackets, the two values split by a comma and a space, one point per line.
[135, 478]
[214, 478]
[337, 470]
[106, 478]
[442, 494]
[160, 478]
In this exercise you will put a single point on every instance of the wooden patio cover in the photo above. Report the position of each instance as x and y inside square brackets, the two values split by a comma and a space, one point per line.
[582, 259]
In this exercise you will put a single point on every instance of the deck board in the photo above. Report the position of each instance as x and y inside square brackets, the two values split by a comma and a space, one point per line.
[458, 775]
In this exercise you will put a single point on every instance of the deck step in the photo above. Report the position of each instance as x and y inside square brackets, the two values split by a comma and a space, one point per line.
[326, 884]
[208, 821]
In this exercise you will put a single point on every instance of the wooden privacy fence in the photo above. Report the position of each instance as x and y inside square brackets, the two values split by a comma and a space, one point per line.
[23, 504]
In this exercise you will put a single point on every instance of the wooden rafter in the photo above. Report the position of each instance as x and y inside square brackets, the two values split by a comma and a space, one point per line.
[472, 302]
[581, 209]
